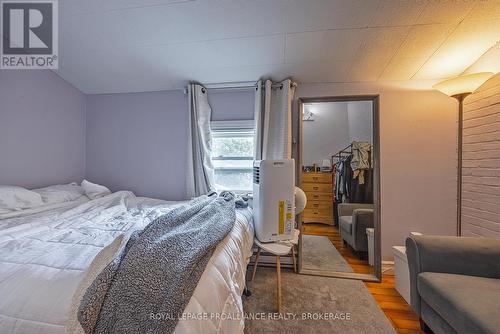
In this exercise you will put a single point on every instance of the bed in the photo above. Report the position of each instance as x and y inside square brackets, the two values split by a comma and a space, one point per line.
[45, 253]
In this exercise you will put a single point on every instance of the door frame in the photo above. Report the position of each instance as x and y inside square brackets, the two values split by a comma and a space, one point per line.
[377, 277]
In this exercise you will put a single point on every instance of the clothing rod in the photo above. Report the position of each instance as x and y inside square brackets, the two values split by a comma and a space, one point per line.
[345, 151]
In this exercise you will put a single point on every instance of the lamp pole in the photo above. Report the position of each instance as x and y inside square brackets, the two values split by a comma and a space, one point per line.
[460, 98]
[459, 87]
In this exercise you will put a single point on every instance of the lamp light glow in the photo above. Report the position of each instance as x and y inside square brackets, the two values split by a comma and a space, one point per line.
[464, 84]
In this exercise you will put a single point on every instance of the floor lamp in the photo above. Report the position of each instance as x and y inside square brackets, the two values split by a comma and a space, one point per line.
[459, 88]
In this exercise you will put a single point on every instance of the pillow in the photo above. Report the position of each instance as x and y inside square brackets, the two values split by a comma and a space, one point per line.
[18, 198]
[93, 190]
[60, 193]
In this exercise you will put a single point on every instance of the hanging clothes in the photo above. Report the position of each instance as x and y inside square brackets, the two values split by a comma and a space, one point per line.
[361, 155]
[348, 175]
[354, 175]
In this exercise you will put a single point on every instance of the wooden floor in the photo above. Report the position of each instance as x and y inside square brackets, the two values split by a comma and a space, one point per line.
[402, 317]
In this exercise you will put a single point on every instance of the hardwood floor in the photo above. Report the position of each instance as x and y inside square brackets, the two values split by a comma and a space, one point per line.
[399, 313]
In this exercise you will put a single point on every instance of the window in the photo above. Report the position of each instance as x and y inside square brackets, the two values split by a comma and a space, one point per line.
[232, 155]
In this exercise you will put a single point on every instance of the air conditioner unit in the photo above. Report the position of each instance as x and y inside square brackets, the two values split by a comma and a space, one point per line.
[274, 199]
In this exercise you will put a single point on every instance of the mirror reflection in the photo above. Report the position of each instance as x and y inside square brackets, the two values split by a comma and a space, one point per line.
[337, 177]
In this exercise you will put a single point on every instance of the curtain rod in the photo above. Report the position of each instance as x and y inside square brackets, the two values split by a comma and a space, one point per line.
[242, 85]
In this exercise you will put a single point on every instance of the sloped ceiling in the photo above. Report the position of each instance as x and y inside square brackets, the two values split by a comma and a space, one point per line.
[111, 46]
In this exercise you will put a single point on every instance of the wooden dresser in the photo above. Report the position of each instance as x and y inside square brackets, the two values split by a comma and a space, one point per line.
[319, 191]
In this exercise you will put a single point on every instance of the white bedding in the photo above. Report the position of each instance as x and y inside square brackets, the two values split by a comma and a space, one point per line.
[45, 254]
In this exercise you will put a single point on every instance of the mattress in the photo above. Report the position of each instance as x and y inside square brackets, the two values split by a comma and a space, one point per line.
[45, 254]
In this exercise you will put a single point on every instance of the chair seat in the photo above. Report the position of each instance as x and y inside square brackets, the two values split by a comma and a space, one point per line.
[468, 303]
[276, 248]
[346, 223]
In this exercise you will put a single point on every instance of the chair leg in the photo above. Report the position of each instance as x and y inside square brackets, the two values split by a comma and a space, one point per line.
[255, 264]
[278, 273]
[294, 260]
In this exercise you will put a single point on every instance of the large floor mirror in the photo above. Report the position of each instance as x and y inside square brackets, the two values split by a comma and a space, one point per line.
[338, 169]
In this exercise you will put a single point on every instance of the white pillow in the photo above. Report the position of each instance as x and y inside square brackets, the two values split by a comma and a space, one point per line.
[93, 190]
[18, 198]
[60, 193]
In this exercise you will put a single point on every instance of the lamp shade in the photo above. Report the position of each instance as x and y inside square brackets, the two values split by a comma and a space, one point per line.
[300, 200]
[464, 84]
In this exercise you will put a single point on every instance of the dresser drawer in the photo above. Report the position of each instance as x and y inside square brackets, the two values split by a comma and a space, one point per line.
[317, 216]
[319, 205]
[321, 220]
[322, 197]
[317, 187]
[318, 213]
[317, 178]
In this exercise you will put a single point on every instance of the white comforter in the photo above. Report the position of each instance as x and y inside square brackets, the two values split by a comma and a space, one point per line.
[44, 256]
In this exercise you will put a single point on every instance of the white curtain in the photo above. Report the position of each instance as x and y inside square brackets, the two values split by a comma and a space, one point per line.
[273, 119]
[200, 171]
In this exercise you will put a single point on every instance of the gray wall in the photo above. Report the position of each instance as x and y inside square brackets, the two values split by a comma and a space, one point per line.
[137, 141]
[481, 162]
[41, 129]
[327, 134]
[360, 121]
[335, 125]
[233, 105]
[418, 158]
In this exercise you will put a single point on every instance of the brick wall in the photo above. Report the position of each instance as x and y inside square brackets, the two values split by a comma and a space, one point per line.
[481, 162]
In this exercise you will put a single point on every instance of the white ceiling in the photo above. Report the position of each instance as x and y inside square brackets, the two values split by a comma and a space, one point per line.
[144, 45]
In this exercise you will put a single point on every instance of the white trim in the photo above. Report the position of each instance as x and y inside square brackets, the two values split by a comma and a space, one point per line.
[232, 125]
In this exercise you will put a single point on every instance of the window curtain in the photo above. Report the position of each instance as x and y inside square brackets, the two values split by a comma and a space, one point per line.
[200, 171]
[273, 119]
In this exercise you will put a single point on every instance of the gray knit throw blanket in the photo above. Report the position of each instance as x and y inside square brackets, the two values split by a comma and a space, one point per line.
[150, 282]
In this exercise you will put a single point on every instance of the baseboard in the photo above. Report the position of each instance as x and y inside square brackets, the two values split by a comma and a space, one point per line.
[387, 267]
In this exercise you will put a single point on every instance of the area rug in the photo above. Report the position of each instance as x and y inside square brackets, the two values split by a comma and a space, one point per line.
[311, 304]
[318, 253]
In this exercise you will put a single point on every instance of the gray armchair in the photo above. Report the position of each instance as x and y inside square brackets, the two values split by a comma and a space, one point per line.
[455, 283]
[354, 219]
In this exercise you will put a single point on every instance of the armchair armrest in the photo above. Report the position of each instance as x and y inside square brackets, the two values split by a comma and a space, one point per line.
[347, 209]
[453, 255]
[361, 220]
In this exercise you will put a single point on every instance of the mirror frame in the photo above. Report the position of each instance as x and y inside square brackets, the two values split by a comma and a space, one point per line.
[377, 276]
